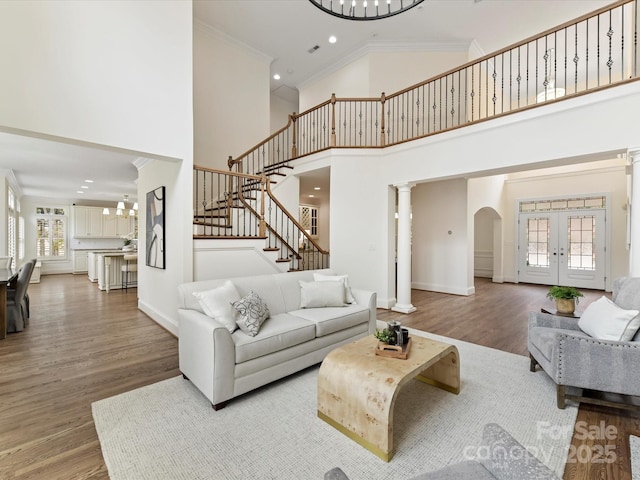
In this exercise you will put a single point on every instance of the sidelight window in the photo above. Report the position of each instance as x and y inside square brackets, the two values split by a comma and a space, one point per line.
[51, 233]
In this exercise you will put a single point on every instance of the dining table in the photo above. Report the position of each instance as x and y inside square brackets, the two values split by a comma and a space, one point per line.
[5, 276]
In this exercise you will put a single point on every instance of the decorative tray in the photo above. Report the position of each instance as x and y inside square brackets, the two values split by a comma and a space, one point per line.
[393, 351]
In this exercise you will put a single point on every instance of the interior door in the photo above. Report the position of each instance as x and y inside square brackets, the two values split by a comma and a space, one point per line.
[582, 238]
[563, 248]
[537, 248]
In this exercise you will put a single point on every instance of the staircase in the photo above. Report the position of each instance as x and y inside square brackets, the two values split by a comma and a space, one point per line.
[242, 206]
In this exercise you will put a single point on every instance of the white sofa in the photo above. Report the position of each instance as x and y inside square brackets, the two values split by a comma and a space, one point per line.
[223, 365]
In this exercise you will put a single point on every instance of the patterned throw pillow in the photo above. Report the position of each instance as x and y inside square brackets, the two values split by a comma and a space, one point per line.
[253, 312]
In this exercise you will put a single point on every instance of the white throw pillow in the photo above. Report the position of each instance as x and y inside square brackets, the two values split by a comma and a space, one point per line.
[320, 277]
[253, 313]
[216, 304]
[604, 320]
[322, 294]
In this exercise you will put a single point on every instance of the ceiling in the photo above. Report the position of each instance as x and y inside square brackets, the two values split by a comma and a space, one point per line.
[285, 30]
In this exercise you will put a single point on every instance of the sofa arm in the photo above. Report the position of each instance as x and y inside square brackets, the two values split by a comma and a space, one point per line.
[366, 297]
[539, 319]
[604, 365]
[206, 354]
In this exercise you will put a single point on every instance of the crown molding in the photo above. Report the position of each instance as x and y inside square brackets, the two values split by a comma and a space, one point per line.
[385, 47]
[13, 181]
[218, 35]
[142, 162]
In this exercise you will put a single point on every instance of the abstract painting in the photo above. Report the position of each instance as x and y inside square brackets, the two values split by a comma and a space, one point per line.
[155, 253]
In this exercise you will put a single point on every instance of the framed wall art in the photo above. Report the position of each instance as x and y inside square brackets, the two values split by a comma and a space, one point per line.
[155, 252]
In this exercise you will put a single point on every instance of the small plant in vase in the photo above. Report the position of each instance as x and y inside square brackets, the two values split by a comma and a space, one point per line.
[566, 298]
[385, 335]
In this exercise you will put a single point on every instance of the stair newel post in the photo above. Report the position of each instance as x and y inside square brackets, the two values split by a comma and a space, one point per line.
[383, 99]
[333, 120]
[294, 148]
[262, 226]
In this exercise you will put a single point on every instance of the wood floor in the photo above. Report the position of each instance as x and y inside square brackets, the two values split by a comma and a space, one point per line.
[83, 345]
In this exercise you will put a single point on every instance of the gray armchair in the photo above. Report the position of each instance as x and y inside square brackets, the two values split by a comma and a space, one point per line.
[574, 359]
[501, 457]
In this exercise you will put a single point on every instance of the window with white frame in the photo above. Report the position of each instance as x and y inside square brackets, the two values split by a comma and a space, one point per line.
[51, 233]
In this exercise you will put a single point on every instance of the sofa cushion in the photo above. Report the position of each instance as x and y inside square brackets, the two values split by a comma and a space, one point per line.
[217, 303]
[280, 332]
[332, 319]
[322, 294]
[544, 338]
[252, 313]
[605, 320]
[321, 277]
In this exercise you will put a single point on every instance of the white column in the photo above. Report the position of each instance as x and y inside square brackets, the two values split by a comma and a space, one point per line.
[403, 293]
[634, 251]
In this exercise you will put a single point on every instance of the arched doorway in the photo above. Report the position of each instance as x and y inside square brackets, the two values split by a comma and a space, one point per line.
[487, 244]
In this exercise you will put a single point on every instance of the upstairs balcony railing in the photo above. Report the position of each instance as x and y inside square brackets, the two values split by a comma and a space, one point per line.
[593, 52]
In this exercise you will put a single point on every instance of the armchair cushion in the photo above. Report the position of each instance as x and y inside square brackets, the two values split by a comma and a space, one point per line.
[604, 320]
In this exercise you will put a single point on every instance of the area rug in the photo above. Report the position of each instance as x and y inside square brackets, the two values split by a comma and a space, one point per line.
[634, 446]
[168, 430]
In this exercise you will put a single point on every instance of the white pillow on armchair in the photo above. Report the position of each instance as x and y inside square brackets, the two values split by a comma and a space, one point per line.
[605, 320]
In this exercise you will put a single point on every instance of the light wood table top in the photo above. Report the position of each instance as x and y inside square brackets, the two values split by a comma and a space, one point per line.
[357, 388]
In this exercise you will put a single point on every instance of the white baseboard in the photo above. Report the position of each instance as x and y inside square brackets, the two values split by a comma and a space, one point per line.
[432, 287]
[165, 322]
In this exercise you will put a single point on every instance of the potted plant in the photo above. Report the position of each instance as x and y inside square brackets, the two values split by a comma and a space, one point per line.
[385, 335]
[566, 298]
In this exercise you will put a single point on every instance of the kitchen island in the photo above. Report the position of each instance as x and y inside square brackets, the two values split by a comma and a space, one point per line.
[109, 269]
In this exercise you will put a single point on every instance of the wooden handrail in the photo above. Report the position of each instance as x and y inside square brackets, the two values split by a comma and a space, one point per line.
[294, 221]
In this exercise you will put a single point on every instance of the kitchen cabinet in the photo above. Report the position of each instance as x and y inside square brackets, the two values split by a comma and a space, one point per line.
[80, 261]
[117, 225]
[90, 222]
[87, 222]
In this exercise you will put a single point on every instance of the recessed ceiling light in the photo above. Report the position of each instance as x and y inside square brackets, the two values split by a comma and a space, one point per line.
[316, 188]
[276, 77]
[333, 39]
[89, 181]
[84, 186]
[79, 191]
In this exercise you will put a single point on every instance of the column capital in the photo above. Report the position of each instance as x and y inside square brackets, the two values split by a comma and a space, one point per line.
[633, 154]
[404, 186]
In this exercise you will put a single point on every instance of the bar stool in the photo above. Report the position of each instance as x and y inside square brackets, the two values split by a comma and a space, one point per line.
[129, 267]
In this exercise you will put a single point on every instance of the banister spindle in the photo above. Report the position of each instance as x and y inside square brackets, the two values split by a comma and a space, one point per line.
[333, 119]
[294, 149]
[383, 99]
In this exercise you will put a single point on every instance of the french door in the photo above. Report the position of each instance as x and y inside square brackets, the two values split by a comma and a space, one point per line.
[563, 248]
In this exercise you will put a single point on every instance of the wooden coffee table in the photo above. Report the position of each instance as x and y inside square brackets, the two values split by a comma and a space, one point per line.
[357, 389]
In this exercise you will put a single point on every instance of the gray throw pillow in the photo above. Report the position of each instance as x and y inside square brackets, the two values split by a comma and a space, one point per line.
[253, 312]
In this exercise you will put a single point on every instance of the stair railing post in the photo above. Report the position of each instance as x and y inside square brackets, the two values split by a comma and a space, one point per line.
[262, 226]
[383, 99]
[294, 148]
[333, 120]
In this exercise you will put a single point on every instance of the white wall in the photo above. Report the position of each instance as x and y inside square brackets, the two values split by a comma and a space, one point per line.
[157, 288]
[279, 112]
[118, 75]
[231, 97]
[597, 178]
[439, 237]
[380, 69]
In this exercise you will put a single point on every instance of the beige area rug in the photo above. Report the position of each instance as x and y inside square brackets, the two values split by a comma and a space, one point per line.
[169, 430]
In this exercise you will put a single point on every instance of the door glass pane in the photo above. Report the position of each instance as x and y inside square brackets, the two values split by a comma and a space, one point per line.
[581, 232]
[538, 242]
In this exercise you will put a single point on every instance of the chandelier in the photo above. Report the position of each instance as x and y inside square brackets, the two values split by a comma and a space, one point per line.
[121, 208]
[365, 9]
